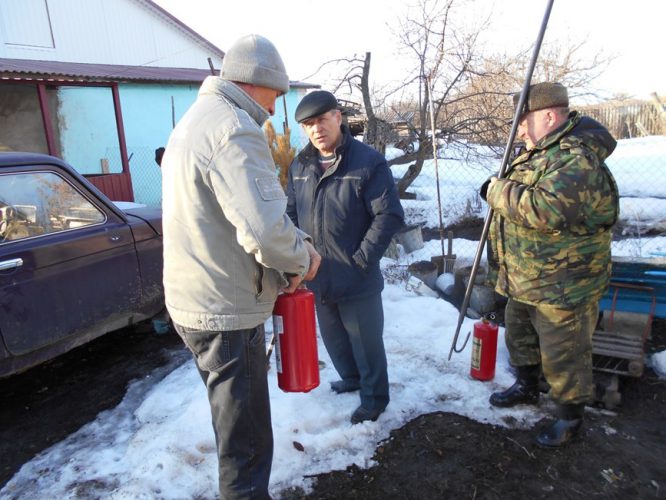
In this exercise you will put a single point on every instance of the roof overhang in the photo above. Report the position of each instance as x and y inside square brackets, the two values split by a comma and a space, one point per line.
[63, 72]
[59, 71]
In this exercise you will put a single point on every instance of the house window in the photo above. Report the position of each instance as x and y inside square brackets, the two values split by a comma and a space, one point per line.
[27, 23]
[36, 203]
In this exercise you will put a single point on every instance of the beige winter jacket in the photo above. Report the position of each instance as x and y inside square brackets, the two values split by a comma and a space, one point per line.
[226, 236]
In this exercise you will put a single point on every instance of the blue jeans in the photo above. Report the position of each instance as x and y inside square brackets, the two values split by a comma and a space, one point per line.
[352, 331]
[232, 365]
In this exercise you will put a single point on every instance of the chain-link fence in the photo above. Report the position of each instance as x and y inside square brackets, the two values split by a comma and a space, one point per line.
[638, 165]
[146, 176]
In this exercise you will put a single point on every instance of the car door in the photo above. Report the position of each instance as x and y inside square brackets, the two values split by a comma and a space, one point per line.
[68, 265]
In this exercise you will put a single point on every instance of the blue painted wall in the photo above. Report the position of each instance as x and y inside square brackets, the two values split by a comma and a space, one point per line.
[298, 138]
[88, 128]
[147, 116]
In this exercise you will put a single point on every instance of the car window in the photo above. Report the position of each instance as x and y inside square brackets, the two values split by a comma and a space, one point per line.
[36, 203]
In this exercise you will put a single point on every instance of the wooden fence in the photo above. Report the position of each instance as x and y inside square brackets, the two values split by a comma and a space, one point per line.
[626, 120]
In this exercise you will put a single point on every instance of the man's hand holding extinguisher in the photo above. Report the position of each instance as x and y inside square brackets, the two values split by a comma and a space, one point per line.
[296, 279]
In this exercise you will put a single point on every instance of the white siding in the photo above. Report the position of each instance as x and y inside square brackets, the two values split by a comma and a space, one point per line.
[123, 32]
[26, 23]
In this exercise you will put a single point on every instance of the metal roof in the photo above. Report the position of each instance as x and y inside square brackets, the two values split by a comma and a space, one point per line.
[29, 69]
[59, 71]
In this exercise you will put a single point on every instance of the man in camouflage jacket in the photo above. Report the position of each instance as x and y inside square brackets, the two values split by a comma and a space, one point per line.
[550, 237]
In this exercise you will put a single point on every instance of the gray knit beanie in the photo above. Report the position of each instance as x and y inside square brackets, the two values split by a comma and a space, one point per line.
[544, 95]
[254, 59]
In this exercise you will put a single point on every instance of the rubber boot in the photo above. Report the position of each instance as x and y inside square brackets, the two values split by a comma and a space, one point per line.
[524, 391]
[569, 422]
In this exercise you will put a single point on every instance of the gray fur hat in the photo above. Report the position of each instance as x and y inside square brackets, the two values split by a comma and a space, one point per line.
[254, 59]
[544, 95]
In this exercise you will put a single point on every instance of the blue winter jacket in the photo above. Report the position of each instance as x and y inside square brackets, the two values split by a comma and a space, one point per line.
[351, 211]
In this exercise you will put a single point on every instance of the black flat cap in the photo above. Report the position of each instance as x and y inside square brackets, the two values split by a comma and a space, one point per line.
[314, 104]
[544, 95]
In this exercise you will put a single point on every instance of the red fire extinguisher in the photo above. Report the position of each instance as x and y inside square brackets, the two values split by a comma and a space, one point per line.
[296, 347]
[484, 350]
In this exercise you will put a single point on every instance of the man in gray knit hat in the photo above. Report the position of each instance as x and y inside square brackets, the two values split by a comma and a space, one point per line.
[550, 237]
[229, 248]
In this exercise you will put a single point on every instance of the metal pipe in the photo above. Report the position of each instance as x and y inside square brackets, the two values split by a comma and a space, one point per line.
[500, 175]
[434, 155]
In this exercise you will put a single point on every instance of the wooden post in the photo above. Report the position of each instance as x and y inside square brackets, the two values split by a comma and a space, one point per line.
[450, 258]
[661, 112]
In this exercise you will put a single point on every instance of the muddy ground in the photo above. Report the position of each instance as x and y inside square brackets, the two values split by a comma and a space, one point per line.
[45, 404]
[620, 454]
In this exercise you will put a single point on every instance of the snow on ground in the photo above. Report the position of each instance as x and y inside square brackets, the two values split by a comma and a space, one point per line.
[161, 443]
[126, 205]
[639, 167]
[658, 363]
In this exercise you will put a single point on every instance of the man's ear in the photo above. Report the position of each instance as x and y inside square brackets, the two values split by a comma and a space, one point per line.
[553, 116]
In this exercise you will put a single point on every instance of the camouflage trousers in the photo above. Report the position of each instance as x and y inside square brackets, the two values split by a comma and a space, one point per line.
[560, 340]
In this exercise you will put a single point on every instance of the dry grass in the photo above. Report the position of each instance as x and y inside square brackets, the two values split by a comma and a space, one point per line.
[281, 149]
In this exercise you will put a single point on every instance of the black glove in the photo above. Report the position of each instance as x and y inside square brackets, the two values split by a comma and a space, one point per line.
[484, 189]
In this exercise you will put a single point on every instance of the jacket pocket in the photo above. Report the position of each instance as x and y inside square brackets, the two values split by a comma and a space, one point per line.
[267, 282]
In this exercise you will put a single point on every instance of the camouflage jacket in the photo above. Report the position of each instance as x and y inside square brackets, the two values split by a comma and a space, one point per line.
[553, 213]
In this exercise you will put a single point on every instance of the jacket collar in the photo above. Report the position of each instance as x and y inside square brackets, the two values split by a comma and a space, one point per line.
[233, 93]
[576, 130]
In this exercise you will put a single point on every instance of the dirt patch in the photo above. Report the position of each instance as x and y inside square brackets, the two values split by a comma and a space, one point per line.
[619, 454]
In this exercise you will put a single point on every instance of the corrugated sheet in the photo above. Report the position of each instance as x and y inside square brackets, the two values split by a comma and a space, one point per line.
[25, 69]
[57, 70]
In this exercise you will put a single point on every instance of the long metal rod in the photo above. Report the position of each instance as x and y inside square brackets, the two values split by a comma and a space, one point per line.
[435, 155]
[500, 175]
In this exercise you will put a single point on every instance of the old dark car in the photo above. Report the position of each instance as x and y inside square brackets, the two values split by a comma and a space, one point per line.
[73, 266]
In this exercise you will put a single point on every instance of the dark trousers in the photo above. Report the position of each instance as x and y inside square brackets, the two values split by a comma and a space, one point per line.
[352, 333]
[232, 365]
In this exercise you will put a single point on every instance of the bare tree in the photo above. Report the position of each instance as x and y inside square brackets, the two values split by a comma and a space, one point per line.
[445, 57]
[356, 77]
[481, 115]
[470, 90]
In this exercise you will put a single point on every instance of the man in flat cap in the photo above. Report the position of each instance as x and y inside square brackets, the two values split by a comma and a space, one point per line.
[342, 192]
[229, 247]
[550, 236]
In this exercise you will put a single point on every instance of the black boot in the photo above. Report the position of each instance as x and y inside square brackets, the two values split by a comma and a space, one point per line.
[567, 425]
[524, 391]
